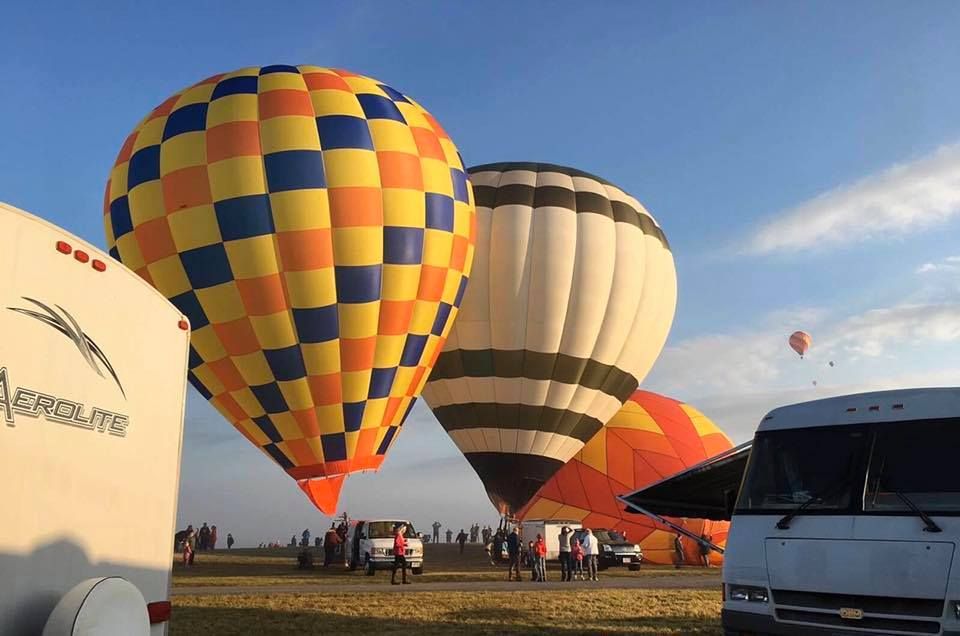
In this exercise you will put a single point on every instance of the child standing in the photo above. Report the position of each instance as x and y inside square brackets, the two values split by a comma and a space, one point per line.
[576, 556]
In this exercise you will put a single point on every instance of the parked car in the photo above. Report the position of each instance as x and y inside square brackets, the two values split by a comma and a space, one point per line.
[615, 550]
[370, 545]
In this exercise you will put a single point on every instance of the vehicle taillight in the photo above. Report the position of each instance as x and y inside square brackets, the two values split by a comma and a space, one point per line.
[159, 612]
[63, 247]
[81, 256]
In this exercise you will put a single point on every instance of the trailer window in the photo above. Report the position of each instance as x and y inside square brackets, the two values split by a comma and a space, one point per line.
[792, 467]
[919, 460]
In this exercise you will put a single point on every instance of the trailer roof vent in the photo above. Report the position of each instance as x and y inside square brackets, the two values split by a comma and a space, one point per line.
[897, 407]
[875, 407]
[851, 409]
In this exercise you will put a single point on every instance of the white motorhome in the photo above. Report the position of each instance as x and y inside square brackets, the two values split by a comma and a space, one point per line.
[370, 545]
[93, 365]
[549, 529]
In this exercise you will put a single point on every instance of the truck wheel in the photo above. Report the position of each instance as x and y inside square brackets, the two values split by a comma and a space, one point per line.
[370, 568]
[353, 565]
[418, 570]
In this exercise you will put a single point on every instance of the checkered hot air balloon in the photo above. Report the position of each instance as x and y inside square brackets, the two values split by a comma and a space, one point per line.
[317, 228]
[651, 438]
[572, 295]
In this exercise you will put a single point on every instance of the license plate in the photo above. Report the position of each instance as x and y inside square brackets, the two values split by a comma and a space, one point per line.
[626, 559]
[851, 613]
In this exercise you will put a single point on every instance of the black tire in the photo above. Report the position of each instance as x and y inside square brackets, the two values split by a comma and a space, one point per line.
[418, 570]
[353, 565]
[369, 568]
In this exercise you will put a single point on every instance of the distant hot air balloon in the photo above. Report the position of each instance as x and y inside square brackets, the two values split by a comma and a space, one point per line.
[317, 228]
[800, 341]
[651, 438]
[831, 363]
[572, 295]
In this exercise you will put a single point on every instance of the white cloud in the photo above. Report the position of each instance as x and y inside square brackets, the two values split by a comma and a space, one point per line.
[902, 199]
[949, 264]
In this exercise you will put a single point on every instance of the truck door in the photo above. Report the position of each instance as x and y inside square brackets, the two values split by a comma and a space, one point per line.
[357, 533]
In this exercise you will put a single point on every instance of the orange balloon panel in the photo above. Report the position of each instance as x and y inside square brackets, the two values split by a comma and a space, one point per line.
[649, 439]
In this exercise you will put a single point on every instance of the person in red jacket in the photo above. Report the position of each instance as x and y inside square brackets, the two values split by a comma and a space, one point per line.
[540, 554]
[399, 553]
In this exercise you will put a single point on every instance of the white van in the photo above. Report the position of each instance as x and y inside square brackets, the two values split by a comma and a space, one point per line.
[370, 545]
[549, 529]
[93, 367]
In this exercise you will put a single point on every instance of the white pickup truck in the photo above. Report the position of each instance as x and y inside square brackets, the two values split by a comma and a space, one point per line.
[93, 366]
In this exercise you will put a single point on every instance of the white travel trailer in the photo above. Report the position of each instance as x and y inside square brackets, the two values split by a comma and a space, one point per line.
[93, 366]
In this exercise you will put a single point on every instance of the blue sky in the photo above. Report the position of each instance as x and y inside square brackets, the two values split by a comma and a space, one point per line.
[801, 157]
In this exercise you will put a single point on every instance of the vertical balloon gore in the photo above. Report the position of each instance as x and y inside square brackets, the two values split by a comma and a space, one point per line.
[323, 492]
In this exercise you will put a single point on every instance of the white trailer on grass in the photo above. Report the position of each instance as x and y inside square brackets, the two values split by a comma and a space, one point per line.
[93, 366]
[549, 529]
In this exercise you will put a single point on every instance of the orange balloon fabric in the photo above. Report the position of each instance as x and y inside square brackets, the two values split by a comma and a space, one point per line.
[800, 341]
[649, 439]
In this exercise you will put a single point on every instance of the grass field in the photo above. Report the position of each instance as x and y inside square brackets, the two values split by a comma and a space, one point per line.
[327, 606]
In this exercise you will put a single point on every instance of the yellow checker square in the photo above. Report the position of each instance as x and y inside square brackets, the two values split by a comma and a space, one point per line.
[401, 381]
[391, 135]
[312, 288]
[321, 358]
[350, 439]
[307, 209]
[118, 181]
[130, 251]
[253, 368]
[335, 102]
[358, 320]
[253, 431]
[195, 95]
[361, 84]
[194, 227]
[236, 177]
[413, 115]
[281, 81]
[239, 107]
[289, 133]
[403, 207]
[450, 152]
[207, 344]
[286, 425]
[400, 282]
[330, 418]
[450, 322]
[169, 277]
[424, 313]
[150, 134]
[248, 402]
[462, 215]
[183, 151]
[247, 71]
[388, 352]
[436, 176]
[352, 167]
[450, 286]
[297, 395]
[222, 303]
[358, 245]
[437, 246]
[373, 413]
[355, 385]
[146, 202]
[252, 257]
[274, 331]
[209, 379]
[108, 229]
[310, 68]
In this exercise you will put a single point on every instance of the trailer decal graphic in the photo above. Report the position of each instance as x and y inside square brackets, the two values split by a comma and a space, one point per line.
[69, 327]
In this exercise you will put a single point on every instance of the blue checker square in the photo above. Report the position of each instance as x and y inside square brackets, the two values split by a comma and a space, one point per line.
[270, 397]
[461, 291]
[189, 306]
[343, 131]
[246, 84]
[206, 266]
[115, 253]
[278, 68]
[377, 107]
[439, 211]
[334, 447]
[294, 170]
[393, 93]
[412, 350]
[286, 364]
[198, 385]
[278, 456]
[144, 166]
[195, 359]
[264, 424]
[459, 179]
[381, 380]
[358, 283]
[443, 312]
[190, 118]
[244, 217]
[120, 219]
[402, 245]
[407, 412]
[317, 324]
[352, 415]
[387, 438]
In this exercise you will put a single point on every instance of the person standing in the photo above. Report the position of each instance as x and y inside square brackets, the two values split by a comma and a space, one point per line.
[330, 542]
[705, 541]
[191, 544]
[513, 551]
[462, 539]
[540, 562]
[305, 538]
[576, 559]
[678, 555]
[591, 550]
[229, 541]
[399, 553]
[449, 535]
[565, 565]
[204, 536]
[213, 537]
[436, 532]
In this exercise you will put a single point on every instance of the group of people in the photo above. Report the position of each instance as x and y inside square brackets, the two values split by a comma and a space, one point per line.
[477, 534]
[577, 560]
[333, 542]
[189, 541]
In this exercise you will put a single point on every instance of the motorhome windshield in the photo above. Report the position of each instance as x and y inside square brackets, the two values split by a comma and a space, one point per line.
[854, 469]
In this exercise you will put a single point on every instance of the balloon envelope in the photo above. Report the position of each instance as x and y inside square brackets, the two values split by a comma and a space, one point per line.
[572, 295]
[317, 228]
[651, 438]
[800, 341]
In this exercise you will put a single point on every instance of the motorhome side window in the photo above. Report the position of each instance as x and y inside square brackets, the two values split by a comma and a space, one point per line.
[916, 459]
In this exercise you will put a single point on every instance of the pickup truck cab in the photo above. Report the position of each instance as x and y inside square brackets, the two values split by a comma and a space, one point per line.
[370, 545]
[615, 549]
